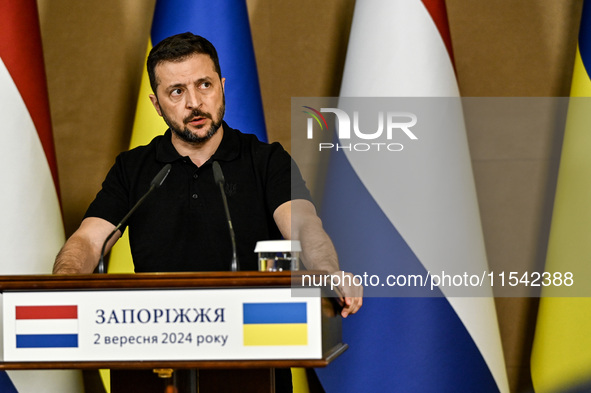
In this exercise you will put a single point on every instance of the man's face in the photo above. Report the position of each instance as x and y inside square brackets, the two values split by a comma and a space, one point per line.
[190, 97]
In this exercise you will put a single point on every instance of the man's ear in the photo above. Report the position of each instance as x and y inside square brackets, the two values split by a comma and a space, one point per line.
[224, 85]
[156, 104]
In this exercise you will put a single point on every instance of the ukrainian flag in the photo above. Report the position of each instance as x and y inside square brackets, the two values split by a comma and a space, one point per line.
[561, 356]
[225, 24]
[275, 324]
[229, 32]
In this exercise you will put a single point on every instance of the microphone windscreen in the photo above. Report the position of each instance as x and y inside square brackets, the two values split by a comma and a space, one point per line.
[218, 176]
[161, 176]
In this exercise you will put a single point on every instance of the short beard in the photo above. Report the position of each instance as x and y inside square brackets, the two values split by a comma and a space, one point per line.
[187, 136]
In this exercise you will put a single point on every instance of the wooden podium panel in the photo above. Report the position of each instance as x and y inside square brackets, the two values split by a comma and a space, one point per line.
[209, 308]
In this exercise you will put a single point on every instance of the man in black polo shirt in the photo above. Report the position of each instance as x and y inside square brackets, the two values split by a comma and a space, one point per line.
[182, 226]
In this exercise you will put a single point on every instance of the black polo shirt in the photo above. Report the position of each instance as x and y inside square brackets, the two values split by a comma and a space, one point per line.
[182, 226]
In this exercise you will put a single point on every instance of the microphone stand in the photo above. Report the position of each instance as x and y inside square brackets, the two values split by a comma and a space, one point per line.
[219, 179]
[156, 182]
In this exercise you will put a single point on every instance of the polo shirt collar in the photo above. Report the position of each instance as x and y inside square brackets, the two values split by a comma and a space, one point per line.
[229, 146]
[228, 149]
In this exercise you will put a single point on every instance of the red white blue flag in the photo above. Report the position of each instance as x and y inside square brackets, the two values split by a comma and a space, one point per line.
[46, 326]
[32, 231]
[422, 213]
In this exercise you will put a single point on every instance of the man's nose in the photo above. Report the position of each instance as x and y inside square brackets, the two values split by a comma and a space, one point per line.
[193, 99]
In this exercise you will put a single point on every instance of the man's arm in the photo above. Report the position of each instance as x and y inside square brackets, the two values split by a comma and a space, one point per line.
[81, 253]
[298, 220]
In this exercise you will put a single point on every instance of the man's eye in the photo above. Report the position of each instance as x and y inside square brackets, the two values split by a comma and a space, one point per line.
[205, 85]
[176, 92]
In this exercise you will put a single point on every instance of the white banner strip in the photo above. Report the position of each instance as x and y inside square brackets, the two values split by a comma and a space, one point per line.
[45, 326]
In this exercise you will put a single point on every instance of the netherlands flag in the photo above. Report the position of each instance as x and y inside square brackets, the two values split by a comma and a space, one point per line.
[46, 326]
[421, 212]
[29, 244]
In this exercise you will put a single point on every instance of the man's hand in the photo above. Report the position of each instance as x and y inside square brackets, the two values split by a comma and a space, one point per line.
[351, 296]
[298, 220]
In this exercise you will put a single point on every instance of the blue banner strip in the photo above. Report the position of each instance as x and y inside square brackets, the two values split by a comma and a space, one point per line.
[274, 313]
[46, 340]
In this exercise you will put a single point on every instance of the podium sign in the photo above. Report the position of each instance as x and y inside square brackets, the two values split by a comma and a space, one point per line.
[209, 320]
[162, 324]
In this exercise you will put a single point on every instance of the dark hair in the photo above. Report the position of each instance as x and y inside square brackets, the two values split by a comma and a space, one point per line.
[177, 48]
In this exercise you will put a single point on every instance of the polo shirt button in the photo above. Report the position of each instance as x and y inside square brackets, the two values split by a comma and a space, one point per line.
[195, 176]
[195, 196]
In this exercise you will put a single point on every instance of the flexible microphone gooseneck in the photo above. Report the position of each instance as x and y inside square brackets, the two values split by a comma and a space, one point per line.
[155, 183]
[218, 177]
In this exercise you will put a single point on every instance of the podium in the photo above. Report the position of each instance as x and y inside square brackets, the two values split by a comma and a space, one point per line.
[232, 328]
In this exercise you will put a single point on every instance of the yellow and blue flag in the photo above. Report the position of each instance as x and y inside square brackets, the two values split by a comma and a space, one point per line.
[561, 355]
[275, 324]
[226, 25]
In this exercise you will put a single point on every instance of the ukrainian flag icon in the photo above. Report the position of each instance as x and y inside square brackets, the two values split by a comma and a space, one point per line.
[275, 324]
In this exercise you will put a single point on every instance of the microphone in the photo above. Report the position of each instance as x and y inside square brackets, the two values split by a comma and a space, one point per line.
[218, 177]
[155, 183]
